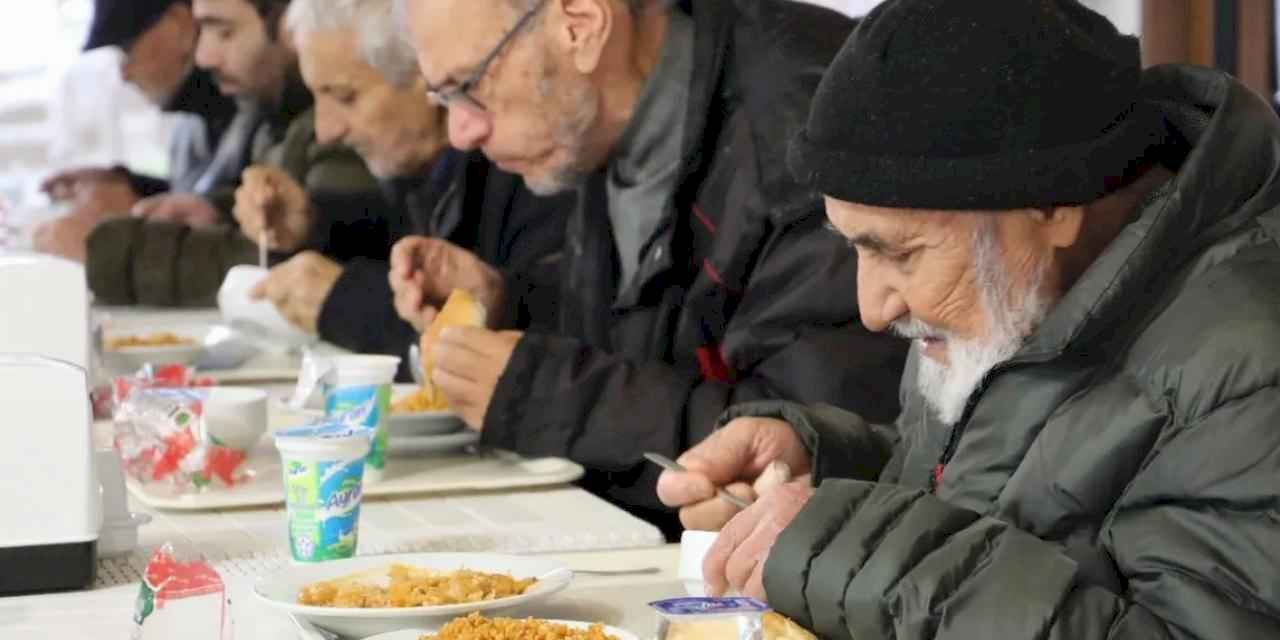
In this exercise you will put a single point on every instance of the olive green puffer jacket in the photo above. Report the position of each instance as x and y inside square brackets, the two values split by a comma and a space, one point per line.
[1120, 476]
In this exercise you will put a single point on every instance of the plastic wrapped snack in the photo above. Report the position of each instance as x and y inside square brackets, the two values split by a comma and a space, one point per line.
[181, 596]
[161, 439]
[730, 618]
[108, 399]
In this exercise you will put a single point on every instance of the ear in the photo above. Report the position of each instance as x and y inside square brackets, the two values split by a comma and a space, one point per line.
[582, 29]
[1059, 227]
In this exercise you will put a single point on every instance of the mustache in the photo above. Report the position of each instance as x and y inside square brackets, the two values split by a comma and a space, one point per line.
[913, 329]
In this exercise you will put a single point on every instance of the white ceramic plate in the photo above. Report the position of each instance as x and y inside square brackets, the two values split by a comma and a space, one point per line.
[280, 590]
[414, 634]
[421, 423]
[415, 445]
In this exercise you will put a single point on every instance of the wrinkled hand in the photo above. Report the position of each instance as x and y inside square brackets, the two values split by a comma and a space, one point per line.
[66, 236]
[736, 560]
[424, 271]
[182, 208]
[299, 287]
[64, 185]
[270, 200]
[735, 458]
[466, 365]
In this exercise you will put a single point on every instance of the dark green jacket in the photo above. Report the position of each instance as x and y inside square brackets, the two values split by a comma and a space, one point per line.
[1120, 476]
[166, 265]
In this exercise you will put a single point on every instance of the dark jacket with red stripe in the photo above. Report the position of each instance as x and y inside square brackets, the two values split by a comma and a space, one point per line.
[741, 295]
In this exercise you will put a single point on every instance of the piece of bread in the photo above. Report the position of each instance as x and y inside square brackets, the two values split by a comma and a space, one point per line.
[780, 627]
[460, 310]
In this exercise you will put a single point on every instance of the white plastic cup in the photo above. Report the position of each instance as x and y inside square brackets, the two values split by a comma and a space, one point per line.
[235, 417]
[324, 484]
[354, 381]
[694, 546]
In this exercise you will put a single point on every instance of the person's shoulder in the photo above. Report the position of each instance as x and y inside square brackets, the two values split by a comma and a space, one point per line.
[1216, 338]
[798, 30]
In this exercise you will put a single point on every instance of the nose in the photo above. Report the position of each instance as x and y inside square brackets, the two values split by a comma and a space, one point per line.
[879, 302]
[329, 125]
[468, 127]
[206, 53]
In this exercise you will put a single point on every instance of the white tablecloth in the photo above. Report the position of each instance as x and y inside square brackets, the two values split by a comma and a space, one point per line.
[243, 544]
[105, 614]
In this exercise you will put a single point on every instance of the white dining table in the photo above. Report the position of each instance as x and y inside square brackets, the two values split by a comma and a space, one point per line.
[620, 601]
[245, 543]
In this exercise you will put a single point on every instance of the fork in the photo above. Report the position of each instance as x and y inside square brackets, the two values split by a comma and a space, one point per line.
[672, 465]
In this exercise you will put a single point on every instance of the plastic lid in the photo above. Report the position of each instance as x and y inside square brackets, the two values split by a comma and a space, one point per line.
[684, 608]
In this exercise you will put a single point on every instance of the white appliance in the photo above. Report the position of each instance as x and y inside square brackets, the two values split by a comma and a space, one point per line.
[44, 308]
[50, 495]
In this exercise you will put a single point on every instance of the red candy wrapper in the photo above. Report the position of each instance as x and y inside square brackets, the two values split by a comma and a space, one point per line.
[181, 598]
[107, 399]
[161, 439]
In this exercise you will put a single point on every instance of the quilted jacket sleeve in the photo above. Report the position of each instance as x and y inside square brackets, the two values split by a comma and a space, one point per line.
[1185, 553]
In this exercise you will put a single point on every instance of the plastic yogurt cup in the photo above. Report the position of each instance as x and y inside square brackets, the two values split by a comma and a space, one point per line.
[323, 466]
[357, 381]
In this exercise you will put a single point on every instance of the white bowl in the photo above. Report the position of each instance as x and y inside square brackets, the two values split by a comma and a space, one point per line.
[280, 589]
[414, 634]
[236, 416]
[420, 423]
[255, 316]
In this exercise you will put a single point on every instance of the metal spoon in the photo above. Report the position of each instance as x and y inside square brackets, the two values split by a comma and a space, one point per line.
[415, 365]
[672, 465]
[639, 571]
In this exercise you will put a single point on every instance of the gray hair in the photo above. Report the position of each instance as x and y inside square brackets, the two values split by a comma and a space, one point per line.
[380, 40]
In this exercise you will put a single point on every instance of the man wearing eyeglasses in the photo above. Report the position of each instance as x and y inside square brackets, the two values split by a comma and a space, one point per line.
[697, 273]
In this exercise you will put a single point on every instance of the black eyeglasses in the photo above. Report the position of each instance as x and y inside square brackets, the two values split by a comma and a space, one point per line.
[449, 96]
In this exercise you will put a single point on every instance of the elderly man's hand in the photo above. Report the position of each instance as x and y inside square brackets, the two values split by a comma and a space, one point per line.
[735, 458]
[65, 185]
[66, 236]
[466, 365]
[424, 271]
[182, 208]
[299, 287]
[736, 560]
[269, 200]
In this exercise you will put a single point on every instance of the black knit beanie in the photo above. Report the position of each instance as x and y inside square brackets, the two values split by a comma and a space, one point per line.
[977, 104]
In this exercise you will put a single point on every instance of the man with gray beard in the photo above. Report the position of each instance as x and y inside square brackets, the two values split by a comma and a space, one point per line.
[1090, 440]
[947, 385]
[696, 272]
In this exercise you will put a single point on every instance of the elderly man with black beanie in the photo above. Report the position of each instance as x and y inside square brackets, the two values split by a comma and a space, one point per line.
[1084, 256]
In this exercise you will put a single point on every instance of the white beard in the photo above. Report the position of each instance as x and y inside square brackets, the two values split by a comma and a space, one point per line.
[946, 388]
